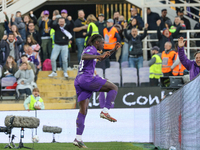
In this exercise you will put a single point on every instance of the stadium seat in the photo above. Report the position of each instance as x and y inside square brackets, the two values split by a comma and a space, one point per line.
[1, 69]
[124, 64]
[144, 76]
[113, 74]
[145, 63]
[129, 77]
[99, 72]
[114, 64]
[7, 81]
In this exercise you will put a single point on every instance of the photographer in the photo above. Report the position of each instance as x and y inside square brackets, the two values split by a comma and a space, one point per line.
[135, 46]
[32, 99]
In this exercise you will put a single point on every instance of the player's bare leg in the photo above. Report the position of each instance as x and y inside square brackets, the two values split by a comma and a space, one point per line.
[83, 105]
[111, 90]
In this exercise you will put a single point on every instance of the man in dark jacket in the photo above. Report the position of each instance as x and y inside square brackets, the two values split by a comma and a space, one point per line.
[186, 21]
[163, 18]
[62, 37]
[33, 32]
[178, 22]
[134, 14]
[166, 36]
[101, 24]
[135, 46]
[152, 17]
[11, 45]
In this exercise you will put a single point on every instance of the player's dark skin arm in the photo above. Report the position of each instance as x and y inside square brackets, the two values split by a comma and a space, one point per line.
[90, 57]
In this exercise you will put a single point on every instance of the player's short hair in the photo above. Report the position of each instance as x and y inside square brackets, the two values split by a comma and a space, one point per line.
[93, 39]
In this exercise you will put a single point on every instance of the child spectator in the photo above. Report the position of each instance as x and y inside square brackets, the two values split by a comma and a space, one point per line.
[32, 99]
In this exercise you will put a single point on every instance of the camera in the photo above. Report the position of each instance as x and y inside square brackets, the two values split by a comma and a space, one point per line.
[8, 129]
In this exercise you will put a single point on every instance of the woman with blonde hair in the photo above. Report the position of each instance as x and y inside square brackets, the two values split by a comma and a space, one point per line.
[25, 81]
[10, 68]
[92, 28]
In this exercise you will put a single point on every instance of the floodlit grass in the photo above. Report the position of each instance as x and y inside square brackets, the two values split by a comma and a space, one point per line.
[92, 146]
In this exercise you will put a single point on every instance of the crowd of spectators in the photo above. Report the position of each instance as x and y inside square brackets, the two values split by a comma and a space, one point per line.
[27, 41]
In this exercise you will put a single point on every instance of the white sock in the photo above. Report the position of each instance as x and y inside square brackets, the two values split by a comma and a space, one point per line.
[79, 137]
[105, 110]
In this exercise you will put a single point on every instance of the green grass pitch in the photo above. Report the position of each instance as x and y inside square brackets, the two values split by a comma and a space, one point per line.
[91, 146]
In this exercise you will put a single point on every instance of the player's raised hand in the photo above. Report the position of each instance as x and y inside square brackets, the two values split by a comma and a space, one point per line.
[104, 55]
[181, 43]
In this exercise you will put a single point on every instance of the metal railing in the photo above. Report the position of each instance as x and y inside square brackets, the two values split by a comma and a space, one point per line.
[188, 39]
[6, 3]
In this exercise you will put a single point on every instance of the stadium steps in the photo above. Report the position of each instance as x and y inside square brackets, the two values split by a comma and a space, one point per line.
[57, 90]
[20, 106]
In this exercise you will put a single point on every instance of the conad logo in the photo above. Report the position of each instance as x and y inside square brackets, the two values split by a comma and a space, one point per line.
[142, 100]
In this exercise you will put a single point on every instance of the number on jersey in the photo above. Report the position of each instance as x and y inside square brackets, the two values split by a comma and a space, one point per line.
[81, 65]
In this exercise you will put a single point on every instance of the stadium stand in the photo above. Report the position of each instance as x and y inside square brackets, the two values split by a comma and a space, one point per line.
[129, 77]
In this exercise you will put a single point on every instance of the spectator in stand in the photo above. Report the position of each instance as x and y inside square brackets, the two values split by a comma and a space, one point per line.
[197, 34]
[34, 33]
[168, 57]
[11, 45]
[135, 46]
[116, 17]
[80, 28]
[132, 24]
[134, 14]
[155, 65]
[25, 81]
[163, 18]
[10, 68]
[152, 17]
[68, 20]
[111, 37]
[45, 35]
[31, 57]
[180, 13]
[18, 14]
[166, 36]
[3, 24]
[20, 25]
[24, 58]
[193, 66]
[178, 22]
[32, 99]
[92, 28]
[30, 40]
[62, 37]
[101, 24]
[29, 18]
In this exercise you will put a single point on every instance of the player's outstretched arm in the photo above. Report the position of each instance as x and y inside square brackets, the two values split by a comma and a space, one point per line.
[118, 45]
[99, 57]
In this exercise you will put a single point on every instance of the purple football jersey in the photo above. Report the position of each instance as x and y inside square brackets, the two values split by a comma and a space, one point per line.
[88, 66]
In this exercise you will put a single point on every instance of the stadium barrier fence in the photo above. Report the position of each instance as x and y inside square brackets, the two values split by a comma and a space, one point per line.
[175, 121]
